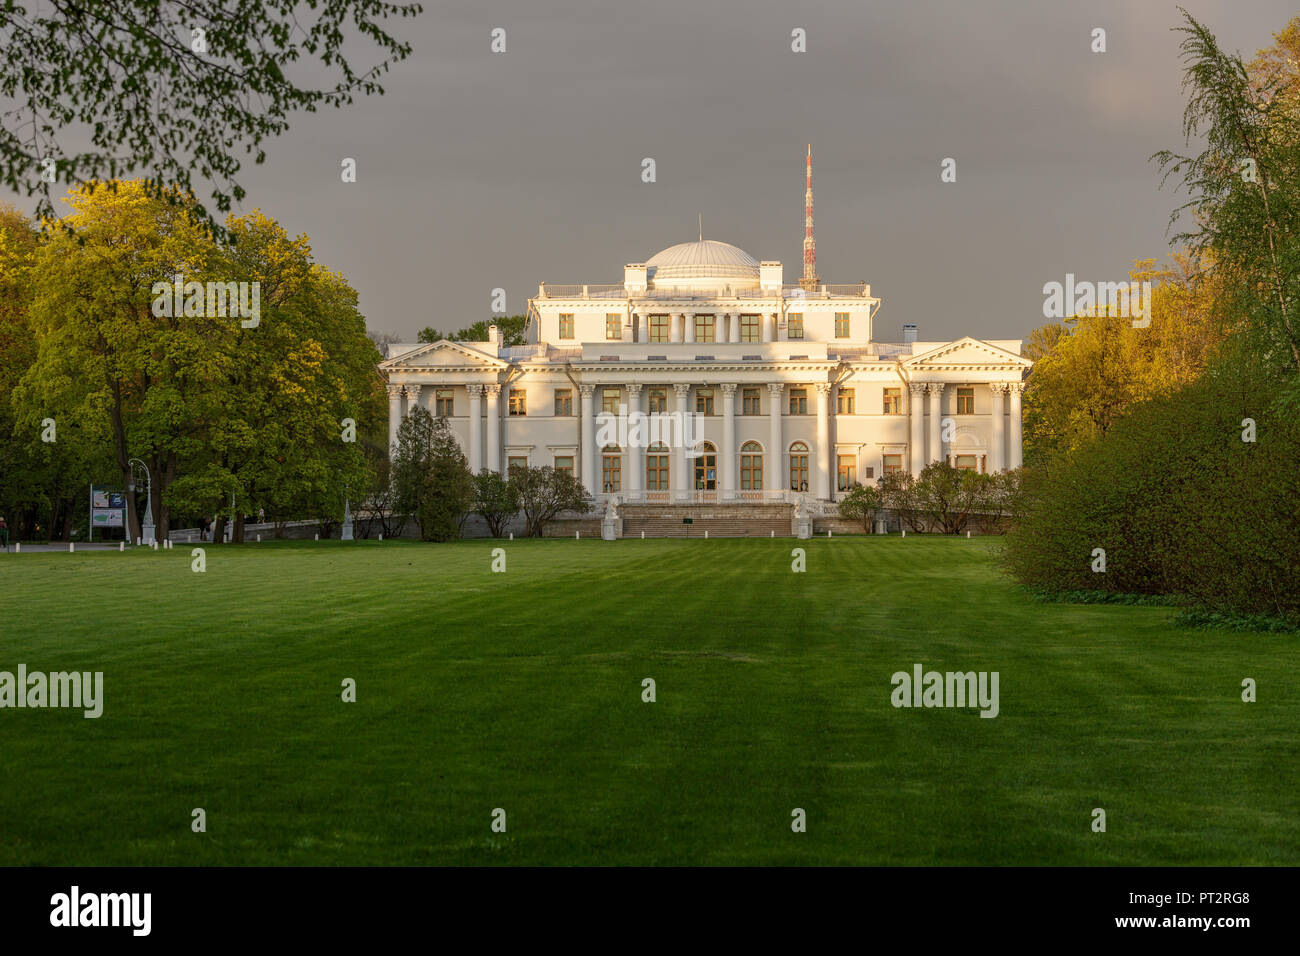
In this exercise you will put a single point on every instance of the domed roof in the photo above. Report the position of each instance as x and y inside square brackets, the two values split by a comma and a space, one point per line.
[704, 259]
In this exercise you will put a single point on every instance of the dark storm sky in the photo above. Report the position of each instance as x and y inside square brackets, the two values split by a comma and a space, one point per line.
[479, 170]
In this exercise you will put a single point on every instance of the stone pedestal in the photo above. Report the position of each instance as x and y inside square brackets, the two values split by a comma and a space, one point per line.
[346, 534]
[610, 523]
[803, 521]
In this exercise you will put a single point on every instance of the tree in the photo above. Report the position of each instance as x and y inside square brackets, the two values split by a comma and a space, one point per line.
[431, 475]
[1245, 192]
[511, 328]
[171, 87]
[496, 499]
[862, 504]
[948, 496]
[898, 493]
[544, 492]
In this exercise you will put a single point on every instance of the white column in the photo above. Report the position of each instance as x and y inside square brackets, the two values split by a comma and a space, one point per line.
[936, 426]
[635, 444]
[683, 477]
[916, 413]
[475, 427]
[1014, 459]
[997, 440]
[493, 427]
[766, 322]
[734, 334]
[588, 438]
[728, 452]
[823, 447]
[688, 326]
[776, 472]
[394, 417]
[643, 327]
[674, 327]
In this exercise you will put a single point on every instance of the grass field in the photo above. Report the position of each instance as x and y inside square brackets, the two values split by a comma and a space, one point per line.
[523, 691]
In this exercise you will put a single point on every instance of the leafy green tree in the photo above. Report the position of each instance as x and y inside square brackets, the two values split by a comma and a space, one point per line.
[496, 499]
[171, 87]
[511, 328]
[1245, 192]
[947, 497]
[544, 492]
[898, 493]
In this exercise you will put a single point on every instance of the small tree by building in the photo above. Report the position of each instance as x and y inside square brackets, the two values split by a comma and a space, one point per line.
[544, 492]
[431, 476]
[862, 504]
[496, 499]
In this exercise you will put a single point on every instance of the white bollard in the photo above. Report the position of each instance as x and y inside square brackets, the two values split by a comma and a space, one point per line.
[968, 534]
[642, 535]
[315, 537]
[121, 546]
[18, 547]
[259, 539]
[512, 536]
[828, 533]
[904, 532]
[381, 536]
[577, 535]
[706, 534]
[71, 547]
[771, 534]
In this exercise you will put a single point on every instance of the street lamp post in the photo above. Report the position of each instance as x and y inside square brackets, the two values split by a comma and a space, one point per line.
[146, 524]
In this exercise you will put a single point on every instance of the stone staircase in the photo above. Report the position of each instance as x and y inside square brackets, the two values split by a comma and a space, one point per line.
[720, 521]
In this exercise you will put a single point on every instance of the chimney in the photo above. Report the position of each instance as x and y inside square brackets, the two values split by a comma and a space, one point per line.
[909, 334]
[494, 335]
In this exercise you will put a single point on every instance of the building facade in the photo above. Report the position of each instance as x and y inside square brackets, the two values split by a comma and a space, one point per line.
[792, 394]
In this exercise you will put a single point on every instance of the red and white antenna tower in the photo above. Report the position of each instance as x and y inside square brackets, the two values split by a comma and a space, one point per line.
[809, 282]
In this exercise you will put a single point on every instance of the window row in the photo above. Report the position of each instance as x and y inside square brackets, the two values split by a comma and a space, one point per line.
[658, 468]
[707, 327]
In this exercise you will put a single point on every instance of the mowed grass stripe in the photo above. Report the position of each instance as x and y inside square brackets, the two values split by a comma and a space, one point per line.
[523, 690]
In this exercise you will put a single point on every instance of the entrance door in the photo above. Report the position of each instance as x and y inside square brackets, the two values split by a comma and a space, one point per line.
[706, 468]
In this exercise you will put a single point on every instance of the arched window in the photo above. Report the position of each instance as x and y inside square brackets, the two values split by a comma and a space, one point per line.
[706, 467]
[656, 467]
[611, 469]
[798, 467]
[751, 466]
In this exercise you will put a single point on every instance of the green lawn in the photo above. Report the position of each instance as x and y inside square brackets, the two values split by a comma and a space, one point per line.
[522, 691]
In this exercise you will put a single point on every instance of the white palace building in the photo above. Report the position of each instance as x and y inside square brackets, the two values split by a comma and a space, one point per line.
[795, 398]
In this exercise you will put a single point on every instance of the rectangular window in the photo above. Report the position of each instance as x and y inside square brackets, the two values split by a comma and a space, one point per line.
[749, 331]
[658, 399]
[518, 402]
[566, 325]
[841, 325]
[611, 473]
[966, 463]
[564, 401]
[893, 464]
[798, 401]
[844, 402]
[966, 401]
[613, 326]
[658, 328]
[609, 401]
[704, 328]
[893, 401]
[751, 402]
[564, 463]
[513, 462]
[656, 471]
[794, 325]
[704, 401]
[846, 472]
[445, 403]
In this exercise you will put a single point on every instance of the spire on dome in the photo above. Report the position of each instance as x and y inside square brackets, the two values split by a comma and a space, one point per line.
[809, 282]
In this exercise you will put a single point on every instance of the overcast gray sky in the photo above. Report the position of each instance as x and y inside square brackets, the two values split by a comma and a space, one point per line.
[479, 170]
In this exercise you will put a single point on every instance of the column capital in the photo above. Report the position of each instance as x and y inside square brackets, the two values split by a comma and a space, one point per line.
[823, 388]
[728, 389]
[412, 390]
[395, 391]
[936, 388]
[475, 389]
[682, 390]
[776, 388]
[918, 388]
[493, 389]
[633, 389]
[997, 387]
[587, 390]
[1016, 386]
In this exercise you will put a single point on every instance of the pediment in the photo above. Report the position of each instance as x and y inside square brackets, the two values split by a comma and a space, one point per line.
[967, 353]
[443, 354]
